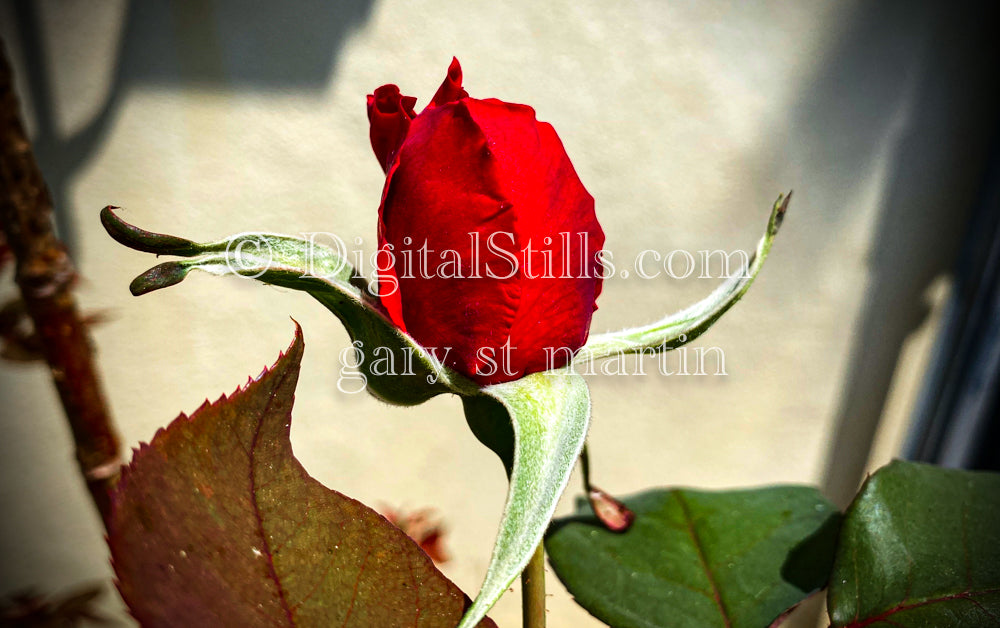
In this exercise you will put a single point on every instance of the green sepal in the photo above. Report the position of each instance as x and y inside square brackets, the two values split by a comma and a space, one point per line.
[682, 327]
[490, 423]
[308, 266]
[548, 413]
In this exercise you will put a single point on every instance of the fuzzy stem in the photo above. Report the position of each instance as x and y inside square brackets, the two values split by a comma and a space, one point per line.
[533, 590]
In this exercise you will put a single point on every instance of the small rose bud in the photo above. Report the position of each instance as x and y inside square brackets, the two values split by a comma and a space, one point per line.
[488, 240]
[615, 515]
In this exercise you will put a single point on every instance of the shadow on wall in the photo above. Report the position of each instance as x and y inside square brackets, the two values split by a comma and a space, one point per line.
[224, 44]
[909, 87]
[912, 85]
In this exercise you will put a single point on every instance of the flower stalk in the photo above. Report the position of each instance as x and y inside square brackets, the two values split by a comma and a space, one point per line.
[533, 590]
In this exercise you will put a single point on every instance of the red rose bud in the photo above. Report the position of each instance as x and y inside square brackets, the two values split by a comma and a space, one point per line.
[487, 238]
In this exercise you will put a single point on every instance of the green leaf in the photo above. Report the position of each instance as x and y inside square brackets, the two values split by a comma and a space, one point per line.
[396, 368]
[684, 326]
[549, 413]
[920, 547]
[698, 559]
[216, 523]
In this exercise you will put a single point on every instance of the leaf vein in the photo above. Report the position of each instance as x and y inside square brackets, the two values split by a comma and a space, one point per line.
[699, 546]
[319, 583]
[256, 506]
[900, 608]
[354, 595]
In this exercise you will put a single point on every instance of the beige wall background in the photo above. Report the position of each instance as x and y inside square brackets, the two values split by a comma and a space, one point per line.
[683, 119]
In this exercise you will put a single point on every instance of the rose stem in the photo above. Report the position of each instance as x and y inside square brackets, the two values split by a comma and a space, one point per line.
[45, 274]
[585, 469]
[533, 590]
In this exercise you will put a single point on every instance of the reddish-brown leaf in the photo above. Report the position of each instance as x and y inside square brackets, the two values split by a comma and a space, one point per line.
[215, 523]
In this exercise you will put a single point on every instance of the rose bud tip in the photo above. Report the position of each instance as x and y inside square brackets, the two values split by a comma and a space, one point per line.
[784, 203]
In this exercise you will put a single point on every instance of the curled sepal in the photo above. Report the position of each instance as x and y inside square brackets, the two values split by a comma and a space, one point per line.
[549, 413]
[684, 326]
[395, 368]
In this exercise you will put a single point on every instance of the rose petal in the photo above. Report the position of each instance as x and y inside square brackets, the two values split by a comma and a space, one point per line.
[469, 317]
[389, 114]
[451, 89]
[555, 218]
[488, 183]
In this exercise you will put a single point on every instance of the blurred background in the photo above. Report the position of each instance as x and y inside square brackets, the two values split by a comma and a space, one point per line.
[872, 332]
